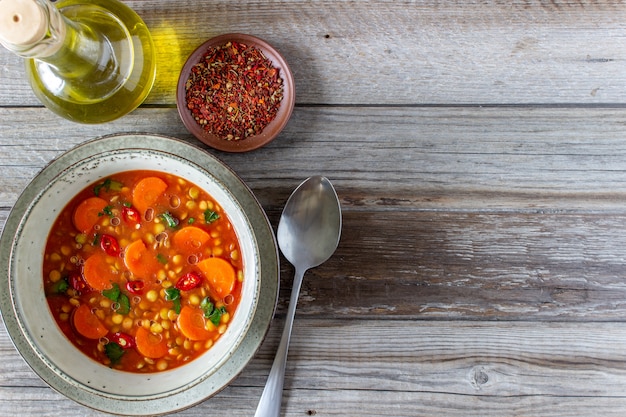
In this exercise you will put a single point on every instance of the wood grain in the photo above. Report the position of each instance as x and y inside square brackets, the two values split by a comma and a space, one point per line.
[478, 151]
[502, 215]
[401, 52]
[527, 158]
[414, 368]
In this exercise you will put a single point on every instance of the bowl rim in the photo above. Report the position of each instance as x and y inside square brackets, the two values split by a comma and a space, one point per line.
[268, 276]
[272, 129]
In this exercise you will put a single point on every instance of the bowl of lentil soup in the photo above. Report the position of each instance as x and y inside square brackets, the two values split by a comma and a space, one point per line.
[235, 93]
[139, 274]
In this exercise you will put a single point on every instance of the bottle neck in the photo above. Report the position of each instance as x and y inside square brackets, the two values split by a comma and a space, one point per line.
[70, 48]
[32, 28]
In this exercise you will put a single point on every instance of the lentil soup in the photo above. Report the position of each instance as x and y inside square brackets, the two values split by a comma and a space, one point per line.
[142, 271]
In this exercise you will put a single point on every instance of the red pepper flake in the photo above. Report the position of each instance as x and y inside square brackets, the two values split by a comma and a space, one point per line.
[234, 92]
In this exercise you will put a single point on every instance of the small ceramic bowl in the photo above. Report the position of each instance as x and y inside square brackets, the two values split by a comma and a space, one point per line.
[272, 130]
[29, 321]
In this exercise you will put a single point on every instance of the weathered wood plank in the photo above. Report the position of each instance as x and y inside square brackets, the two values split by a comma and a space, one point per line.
[426, 265]
[416, 368]
[238, 402]
[401, 52]
[382, 158]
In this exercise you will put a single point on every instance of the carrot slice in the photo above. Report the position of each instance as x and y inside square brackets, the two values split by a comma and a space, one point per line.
[191, 323]
[98, 272]
[140, 261]
[220, 274]
[190, 239]
[147, 191]
[87, 213]
[149, 344]
[87, 324]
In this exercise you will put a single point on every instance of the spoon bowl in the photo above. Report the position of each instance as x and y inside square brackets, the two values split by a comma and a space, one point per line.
[310, 226]
[308, 234]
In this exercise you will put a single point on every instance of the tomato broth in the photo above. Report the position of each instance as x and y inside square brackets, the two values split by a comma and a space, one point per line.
[143, 271]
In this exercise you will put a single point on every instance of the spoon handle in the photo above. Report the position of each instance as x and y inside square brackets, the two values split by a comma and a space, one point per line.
[269, 404]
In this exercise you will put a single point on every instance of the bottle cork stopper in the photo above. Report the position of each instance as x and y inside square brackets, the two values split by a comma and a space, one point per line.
[22, 22]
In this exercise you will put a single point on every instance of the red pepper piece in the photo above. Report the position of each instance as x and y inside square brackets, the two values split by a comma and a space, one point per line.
[77, 282]
[125, 341]
[109, 245]
[135, 287]
[131, 215]
[189, 281]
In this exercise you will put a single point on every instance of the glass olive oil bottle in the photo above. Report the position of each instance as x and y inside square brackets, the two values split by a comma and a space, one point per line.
[90, 61]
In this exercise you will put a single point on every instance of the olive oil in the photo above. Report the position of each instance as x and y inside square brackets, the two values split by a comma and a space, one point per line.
[97, 63]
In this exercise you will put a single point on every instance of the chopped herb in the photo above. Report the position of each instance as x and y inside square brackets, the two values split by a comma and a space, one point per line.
[127, 204]
[60, 286]
[97, 188]
[108, 210]
[96, 240]
[114, 352]
[210, 216]
[124, 304]
[108, 185]
[173, 295]
[206, 305]
[191, 220]
[210, 312]
[117, 296]
[112, 293]
[217, 315]
[169, 219]
[161, 258]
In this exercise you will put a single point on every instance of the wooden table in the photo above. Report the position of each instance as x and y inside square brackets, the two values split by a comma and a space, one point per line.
[479, 151]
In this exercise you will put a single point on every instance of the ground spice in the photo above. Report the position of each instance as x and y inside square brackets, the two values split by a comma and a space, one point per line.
[234, 92]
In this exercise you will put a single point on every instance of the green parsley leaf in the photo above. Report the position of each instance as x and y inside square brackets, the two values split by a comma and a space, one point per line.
[173, 295]
[124, 304]
[100, 186]
[176, 305]
[207, 306]
[114, 352]
[108, 185]
[210, 312]
[162, 258]
[217, 315]
[60, 286]
[210, 216]
[113, 293]
[117, 296]
[169, 219]
[108, 210]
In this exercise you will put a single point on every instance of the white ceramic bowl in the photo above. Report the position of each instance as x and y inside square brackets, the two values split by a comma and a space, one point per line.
[34, 331]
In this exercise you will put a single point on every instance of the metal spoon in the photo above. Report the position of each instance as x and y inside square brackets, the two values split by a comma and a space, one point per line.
[308, 234]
